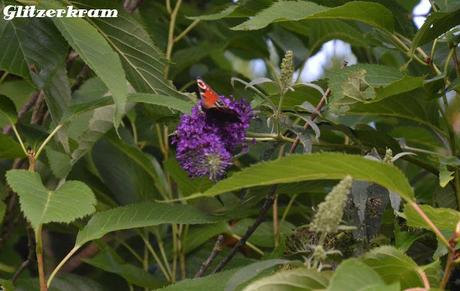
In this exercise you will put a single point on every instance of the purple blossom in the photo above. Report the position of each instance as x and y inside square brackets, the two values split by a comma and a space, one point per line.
[205, 143]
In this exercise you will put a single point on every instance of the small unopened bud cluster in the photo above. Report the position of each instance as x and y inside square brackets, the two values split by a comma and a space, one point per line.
[330, 211]
[388, 159]
[287, 70]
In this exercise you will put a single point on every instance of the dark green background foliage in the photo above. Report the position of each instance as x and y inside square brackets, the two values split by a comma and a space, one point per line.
[93, 198]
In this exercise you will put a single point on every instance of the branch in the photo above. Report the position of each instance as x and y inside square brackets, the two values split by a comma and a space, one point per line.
[251, 229]
[215, 251]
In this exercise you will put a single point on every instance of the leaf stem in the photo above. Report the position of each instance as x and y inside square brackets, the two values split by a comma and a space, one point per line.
[428, 221]
[3, 77]
[156, 257]
[40, 263]
[61, 264]
[186, 30]
[47, 140]
[15, 130]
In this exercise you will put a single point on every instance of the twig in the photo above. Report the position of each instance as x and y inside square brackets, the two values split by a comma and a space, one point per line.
[270, 197]
[172, 24]
[251, 229]
[187, 30]
[215, 251]
[451, 257]
[30, 255]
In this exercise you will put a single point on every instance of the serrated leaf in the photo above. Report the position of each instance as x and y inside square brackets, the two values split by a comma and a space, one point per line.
[44, 52]
[97, 53]
[370, 13]
[445, 219]
[140, 215]
[40, 205]
[302, 278]
[394, 266]
[143, 62]
[329, 166]
[60, 163]
[12, 59]
[353, 274]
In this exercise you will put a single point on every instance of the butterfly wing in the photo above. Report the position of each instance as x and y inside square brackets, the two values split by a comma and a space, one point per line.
[213, 105]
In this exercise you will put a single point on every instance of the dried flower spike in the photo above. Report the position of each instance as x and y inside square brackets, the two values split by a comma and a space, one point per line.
[330, 211]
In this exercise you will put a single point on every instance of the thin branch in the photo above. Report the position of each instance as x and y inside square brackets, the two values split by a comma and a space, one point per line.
[215, 251]
[172, 24]
[433, 227]
[251, 229]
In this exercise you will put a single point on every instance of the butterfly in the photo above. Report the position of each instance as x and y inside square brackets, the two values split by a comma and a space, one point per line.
[213, 105]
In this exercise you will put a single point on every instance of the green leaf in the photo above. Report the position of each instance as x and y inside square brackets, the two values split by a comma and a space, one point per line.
[129, 173]
[353, 274]
[170, 102]
[70, 201]
[44, 51]
[7, 110]
[328, 166]
[251, 271]
[109, 261]
[394, 266]
[295, 279]
[435, 25]
[96, 52]
[319, 31]
[445, 176]
[445, 219]
[59, 162]
[370, 13]
[10, 149]
[143, 62]
[216, 16]
[217, 281]
[140, 215]
[12, 59]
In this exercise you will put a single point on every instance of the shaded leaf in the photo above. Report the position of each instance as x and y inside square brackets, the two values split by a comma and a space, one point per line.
[10, 149]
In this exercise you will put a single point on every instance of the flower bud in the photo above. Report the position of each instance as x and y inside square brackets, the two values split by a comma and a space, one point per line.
[287, 70]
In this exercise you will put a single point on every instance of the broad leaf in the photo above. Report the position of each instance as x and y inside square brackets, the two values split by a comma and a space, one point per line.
[143, 62]
[445, 219]
[40, 205]
[44, 51]
[170, 102]
[97, 53]
[217, 281]
[7, 110]
[393, 265]
[290, 280]
[251, 271]
[353, 274]
[329, 166]
[367, 12]
[12, 59]
[140, 215]
[10, 149]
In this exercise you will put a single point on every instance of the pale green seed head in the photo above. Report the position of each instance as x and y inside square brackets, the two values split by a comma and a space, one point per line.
[330, 211]
[287, 70]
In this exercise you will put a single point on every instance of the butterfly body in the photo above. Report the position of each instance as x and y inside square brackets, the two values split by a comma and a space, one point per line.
[213, 105]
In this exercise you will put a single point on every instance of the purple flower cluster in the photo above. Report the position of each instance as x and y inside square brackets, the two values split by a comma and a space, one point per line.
[205, 142]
